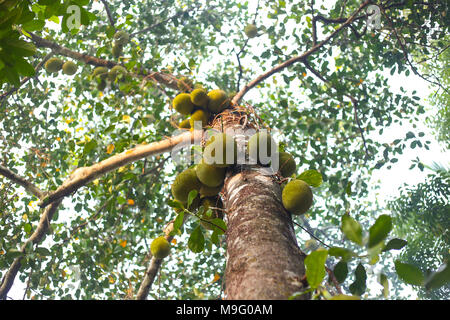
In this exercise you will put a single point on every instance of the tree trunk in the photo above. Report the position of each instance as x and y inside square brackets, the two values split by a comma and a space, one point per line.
[263, 258]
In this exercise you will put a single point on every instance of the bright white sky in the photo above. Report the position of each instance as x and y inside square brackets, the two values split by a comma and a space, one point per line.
[389, 180]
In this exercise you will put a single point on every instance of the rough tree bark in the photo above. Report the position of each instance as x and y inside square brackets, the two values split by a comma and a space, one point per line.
[263, 258]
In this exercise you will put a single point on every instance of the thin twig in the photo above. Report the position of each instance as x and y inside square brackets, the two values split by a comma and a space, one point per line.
[108, 12]
[30, 187]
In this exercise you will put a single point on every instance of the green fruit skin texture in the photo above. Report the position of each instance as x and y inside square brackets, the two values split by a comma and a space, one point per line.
[209, 175]
[199, 115]
[121, 37]
[101, 72]
[69, 68]
[117, 50]
[185, 182]
[287, 164]
[224, 141]
[206, 191]
[160, 248]
[183, 104]
[218, 101]
[297, 197]
[101, 85]
[115, 71]
[251, 30]
[254, 144]
[185, 124]
[53, 65]
[199, 97]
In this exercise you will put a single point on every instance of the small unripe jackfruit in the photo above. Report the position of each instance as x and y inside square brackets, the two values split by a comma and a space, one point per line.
[206, 191]
[101, 85]
[53, 65]
[297, 197]
[199, 115]
[199, 97]
[184, 183]
[221, 144]
[117, 50]
[160, 248]
[69, 68]
[115, 71]
[121, 37]
[209, 175]
[251, 30]
[286, 164]
[183, 104]
[218, 101]
[260, 147]
[101, 72]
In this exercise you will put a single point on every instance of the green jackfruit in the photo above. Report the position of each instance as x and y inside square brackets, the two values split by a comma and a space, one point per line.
[286, 164]
[199, 115]
[121, 37]
[256, 144]
[53, 65]
[115, 71]
[199, 97]
[209, 175]
[101, 72]
[297, 197]
[101, 85]
[160, 248]
[184, 183]
[251, 30]
[185, 124]
[206, 191]
[183, 104]
[218, 101]
[224, 144]
[117, 50]
[69, 68]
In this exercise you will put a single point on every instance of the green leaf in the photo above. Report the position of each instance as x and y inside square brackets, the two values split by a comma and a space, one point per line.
[395, 244]
[88, 147]
[345, 254]
[27, 228]
[380, 230]
[219, 225]
[315, 267]
[352, 229]
[341, 271]
[311, 177]
[178, 221]
[14, 253]
[383, 280]
[196, 240]
[439, 278]
[43, 251]
[175, 204]
[409, 273]
[192, 195]
[358, 287]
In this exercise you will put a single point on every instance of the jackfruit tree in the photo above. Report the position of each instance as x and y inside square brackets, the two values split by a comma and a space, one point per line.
[224, 148]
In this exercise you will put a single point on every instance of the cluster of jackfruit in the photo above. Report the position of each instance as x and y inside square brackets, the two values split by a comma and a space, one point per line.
[199, 104]
[102, 74]
[121, 38]
[54, 65]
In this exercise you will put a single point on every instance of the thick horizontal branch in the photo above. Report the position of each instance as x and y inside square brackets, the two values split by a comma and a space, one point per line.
[30, 187]
[162, 78]
[301, 57]
[35, 238]
[82, 176]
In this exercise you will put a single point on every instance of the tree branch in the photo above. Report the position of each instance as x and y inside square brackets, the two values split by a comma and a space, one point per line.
[108, 12]
[35, 238]
[30, 187]
[82, 176]
[301, 57]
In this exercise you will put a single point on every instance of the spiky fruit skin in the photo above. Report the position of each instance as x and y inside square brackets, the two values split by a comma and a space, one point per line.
[199, 97]
[199, 115]
[209, 175]
[218, 101]
[117, 50]
[184, 183]
[185, 124]
[207, 203]
[69, 68]
[183, 104]
[53, 65]
[287, 164]
[297, 197]
[206, 191]
[184, 84]
[261, 142]
[251, 30]
[101, 72]
[115, 71]
[160, 248]
[121, 37]
[216, 143]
